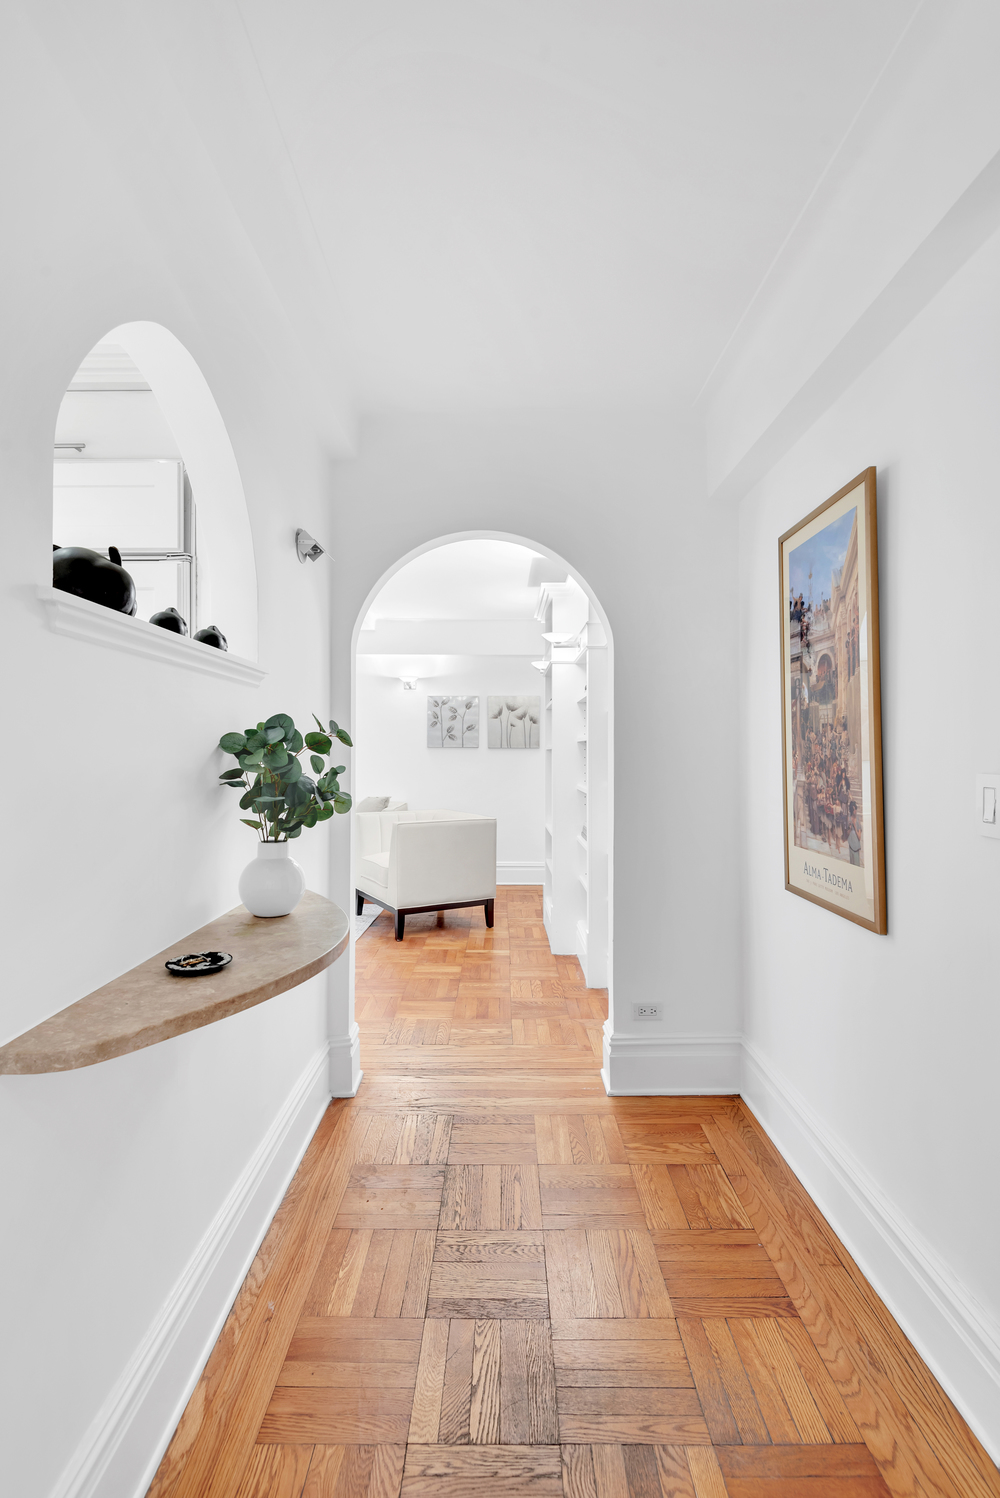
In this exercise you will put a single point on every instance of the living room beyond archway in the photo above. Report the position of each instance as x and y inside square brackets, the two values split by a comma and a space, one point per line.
[483, 688]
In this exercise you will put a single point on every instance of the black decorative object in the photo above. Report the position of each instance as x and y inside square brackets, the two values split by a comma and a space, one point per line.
[195, 964]
[170, 619]
[89, 575]
[212, 635]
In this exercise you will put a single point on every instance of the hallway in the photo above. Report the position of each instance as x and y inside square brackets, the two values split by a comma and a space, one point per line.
[489, 1278]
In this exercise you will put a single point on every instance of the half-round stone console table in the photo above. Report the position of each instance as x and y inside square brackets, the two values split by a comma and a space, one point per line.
[147, 1005]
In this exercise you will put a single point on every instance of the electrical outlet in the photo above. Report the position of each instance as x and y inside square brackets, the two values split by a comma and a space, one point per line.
[647, 1011]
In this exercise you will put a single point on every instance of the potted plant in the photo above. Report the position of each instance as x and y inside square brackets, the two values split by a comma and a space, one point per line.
[283, 799]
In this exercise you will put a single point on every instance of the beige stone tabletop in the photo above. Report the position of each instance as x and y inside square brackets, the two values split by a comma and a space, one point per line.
[148, 1005]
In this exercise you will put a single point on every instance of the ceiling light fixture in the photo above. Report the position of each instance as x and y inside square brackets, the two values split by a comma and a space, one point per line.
[307, 547]
[409, 683]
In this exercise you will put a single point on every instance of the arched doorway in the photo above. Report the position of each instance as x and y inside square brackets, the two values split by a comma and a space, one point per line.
[538, 675]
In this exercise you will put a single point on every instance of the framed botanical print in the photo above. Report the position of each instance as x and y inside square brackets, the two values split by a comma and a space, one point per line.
[832, 707]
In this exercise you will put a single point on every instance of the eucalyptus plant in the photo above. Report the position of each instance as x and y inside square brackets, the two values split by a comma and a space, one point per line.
[275, 788]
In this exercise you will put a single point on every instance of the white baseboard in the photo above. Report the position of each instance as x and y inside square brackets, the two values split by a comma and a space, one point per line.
[345, 1064]
[125, 1441]
[956, 1337]
[671, 1065]
[520, 873]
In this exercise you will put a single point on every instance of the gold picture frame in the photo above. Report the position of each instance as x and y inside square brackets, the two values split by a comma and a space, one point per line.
[831, 707]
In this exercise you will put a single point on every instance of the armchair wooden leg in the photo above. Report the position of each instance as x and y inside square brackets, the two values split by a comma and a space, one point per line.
[489, 913]
[360, 904]
[400, 920]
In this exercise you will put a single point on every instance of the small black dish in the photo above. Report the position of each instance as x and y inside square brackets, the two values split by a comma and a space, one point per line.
[194, 964]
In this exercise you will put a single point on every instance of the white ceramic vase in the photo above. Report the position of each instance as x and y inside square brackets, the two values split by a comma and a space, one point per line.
[274, 883]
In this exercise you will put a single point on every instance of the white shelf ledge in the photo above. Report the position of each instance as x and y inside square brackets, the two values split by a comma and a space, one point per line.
[83, 620]
[583, 843]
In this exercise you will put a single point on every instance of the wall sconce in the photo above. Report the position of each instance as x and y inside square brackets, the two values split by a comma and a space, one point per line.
[555, 639]
[542, 666]
[409, 683]
[307, 547]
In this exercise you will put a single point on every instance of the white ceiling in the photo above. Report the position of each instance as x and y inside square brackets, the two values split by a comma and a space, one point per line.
[538, 203]
[463, 580]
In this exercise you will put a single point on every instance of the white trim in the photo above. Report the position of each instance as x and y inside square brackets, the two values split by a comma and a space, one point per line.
[123, 1446]
[345, 1063]
[521, 873]
[84, 620]
[671, 1065]
[957, 1337]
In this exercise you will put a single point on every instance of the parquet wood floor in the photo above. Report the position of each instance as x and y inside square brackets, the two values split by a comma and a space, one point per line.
[488, 1278]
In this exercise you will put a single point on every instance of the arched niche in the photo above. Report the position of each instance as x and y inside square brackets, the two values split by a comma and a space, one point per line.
[227, 575]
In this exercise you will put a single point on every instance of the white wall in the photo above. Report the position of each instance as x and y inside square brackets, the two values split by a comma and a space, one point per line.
[894, 1040]
[110, 1177]
[910, 193]
[393, 757]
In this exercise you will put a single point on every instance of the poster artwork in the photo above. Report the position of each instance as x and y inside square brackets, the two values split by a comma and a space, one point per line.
[825, 659]
[833, 832]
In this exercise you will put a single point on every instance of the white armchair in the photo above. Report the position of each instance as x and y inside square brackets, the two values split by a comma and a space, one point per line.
[415, 861]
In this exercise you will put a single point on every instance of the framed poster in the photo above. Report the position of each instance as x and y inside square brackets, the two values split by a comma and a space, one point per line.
[832, 707]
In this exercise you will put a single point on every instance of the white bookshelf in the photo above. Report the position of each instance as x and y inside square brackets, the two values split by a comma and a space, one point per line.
[576, 790]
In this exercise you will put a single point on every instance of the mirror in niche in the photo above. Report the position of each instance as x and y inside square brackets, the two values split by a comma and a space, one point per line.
[119, 482]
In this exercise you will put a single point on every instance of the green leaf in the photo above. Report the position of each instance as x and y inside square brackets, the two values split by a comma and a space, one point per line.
[274, 735]
[318, 724]
[339, 769]
[247, 800]
[342, 802]
[282, 721]
[236, 774]
[316, 763]
[325, 812]
[310, 820]
[276, 755]
[345, 737]
[295, 742]
[294, 832]
[233, 743]
[232, 785]
[255, 741]
[254, 825]
[319, 742]
[291, 772]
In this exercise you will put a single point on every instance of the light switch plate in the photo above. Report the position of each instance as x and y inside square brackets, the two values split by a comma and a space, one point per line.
[984, 785]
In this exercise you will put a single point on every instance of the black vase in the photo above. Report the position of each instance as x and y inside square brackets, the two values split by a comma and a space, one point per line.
[90, 575]
[212, 635]
[170, 619]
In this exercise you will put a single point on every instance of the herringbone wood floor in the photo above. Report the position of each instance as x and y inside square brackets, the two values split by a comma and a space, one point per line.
[489, 1278]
